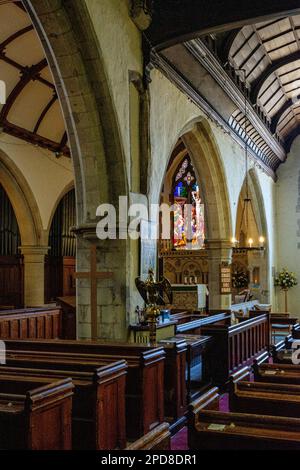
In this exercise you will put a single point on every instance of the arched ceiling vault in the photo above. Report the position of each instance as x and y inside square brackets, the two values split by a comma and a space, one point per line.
[269, 53]
[32, 110]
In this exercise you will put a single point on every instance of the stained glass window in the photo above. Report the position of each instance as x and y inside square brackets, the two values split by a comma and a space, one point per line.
[189, 222]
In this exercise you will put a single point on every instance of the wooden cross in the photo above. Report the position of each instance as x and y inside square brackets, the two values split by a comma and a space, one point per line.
[94, 275]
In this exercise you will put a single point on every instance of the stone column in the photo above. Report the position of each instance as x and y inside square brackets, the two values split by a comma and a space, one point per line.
[218, 251]
[111, 293]
[34, 275]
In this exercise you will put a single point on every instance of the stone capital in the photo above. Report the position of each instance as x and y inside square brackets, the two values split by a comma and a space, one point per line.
[34, 251]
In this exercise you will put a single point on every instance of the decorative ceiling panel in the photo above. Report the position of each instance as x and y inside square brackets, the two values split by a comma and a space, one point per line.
[269, 53]
[32, 111]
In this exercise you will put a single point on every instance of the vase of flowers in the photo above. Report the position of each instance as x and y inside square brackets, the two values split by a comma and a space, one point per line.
[285, 280]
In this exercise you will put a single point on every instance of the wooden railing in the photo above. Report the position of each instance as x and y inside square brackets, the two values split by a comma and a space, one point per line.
[236, 345]
[196, 322]
[32, 323]
[247, 340]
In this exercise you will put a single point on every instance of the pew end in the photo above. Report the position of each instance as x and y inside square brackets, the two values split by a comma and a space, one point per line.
[46, 406]
[157, 439]
[243, 374]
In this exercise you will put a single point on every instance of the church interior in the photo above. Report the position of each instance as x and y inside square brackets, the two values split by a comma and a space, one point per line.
[149, 225]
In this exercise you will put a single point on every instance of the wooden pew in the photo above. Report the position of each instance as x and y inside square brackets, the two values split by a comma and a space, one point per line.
[157, 439]
[175, 391]
[277, 373]
[99, 398]
[35, 415]
[214, 430]
[265, 398]
[145, 379]
[236, 345]
[31, 323]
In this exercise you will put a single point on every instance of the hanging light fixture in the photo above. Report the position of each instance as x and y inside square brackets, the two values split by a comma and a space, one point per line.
[247, 207]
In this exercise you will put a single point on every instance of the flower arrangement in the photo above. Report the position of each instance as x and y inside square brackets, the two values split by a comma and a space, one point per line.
[285, 280]
[240, 279]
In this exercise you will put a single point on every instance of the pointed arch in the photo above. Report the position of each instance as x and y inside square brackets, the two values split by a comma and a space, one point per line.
[23, 202]
[76, 63]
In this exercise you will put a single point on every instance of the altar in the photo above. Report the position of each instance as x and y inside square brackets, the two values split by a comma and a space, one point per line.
[189, 296]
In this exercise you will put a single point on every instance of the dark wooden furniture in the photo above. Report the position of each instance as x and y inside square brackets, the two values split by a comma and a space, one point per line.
[174, 378]
[198, 367]
[31, 323]
[157, 439]
[277, 373]
[214, 430]
[265, 398]
[35, 416]
[59, 277]
[11, 281]
[193, 324]
[236, 345]
[99, 398]
[145, 380]
[68, 306]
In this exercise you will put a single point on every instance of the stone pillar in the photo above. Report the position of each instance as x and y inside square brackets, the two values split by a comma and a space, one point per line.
[218, 251]
[34, 275]
[111, 293]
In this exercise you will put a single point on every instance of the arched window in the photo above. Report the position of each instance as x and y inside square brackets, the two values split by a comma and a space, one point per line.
[189, 223]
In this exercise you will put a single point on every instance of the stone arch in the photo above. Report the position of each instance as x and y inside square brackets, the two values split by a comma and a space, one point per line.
[65, 191]
[23, 202]
[257, 202]
[70, 45]
[258, 259]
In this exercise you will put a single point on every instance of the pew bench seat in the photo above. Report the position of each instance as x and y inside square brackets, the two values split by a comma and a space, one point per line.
[214, 430]
[145, 377]
[99, 397]
[35, 415]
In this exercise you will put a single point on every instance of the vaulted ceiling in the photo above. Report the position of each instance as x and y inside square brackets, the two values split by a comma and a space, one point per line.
[32, 111]
[269, 55]
[239, 61]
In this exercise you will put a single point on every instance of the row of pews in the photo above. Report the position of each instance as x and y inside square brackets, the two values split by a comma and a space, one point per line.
[264, 414]
[109, 395]
[116, 390]
[32, 323]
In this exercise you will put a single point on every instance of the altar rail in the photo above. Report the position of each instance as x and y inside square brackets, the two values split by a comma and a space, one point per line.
[31, 323]
[236, 345]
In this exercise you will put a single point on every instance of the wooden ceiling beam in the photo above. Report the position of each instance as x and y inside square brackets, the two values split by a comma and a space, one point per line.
[22, 69]
[44, 112]
[34, 139]
[28, 74]
[15, 36]
[276, 64]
